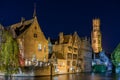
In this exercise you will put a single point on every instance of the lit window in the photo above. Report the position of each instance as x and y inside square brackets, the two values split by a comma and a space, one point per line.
[39, 47]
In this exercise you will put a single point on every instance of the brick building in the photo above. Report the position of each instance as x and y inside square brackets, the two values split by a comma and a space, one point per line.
[31, 40]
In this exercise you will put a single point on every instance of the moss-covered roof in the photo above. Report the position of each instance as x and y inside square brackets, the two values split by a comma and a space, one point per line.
[21, 27]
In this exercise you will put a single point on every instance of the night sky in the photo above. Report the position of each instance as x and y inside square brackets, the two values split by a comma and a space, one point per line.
[67, 16]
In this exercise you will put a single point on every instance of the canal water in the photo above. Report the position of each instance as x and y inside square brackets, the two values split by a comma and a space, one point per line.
[77, 76]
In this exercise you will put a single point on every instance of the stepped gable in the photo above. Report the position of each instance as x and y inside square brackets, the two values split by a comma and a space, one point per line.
[66, 39]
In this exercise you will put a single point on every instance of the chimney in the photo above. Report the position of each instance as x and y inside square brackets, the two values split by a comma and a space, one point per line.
[61, 38]
[22, 20]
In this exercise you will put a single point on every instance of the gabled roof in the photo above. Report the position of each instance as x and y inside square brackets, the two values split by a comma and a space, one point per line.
[66, 38]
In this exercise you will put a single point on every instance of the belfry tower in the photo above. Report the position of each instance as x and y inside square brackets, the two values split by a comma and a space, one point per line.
[96, 36]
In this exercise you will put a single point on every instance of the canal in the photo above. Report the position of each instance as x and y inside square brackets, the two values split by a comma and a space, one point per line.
[77, 76]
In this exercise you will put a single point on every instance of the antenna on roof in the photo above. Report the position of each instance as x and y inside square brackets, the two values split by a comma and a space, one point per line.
[34, 13]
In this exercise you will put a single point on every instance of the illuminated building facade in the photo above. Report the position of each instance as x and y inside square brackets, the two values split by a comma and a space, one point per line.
[67, 45]
[96, 36]
[59, 63]
[31, 40]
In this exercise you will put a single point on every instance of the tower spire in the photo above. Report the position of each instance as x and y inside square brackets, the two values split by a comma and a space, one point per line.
[34, 13]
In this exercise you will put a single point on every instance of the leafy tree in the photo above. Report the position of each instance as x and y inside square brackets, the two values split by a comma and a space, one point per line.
[9, 62]
[115, 56]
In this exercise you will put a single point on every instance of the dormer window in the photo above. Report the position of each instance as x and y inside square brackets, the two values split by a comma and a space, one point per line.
[35, 35]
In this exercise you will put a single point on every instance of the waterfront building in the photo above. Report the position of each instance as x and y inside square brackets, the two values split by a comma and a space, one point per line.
[59, 63]
[67, 45]
[33, 45]
[85, 55]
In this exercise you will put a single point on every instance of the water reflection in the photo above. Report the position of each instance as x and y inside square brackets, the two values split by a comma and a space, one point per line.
[78, 76]
[16, 78]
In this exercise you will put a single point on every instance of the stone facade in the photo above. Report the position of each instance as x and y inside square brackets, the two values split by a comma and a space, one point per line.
[67, 45]
[59, 63]
[31, 40]
[85, 55]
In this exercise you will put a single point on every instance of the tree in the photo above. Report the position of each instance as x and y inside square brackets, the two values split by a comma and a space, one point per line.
[9, 61]
[115, 56]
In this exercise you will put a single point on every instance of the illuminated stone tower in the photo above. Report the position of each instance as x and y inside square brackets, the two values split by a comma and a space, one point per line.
[96, 36]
